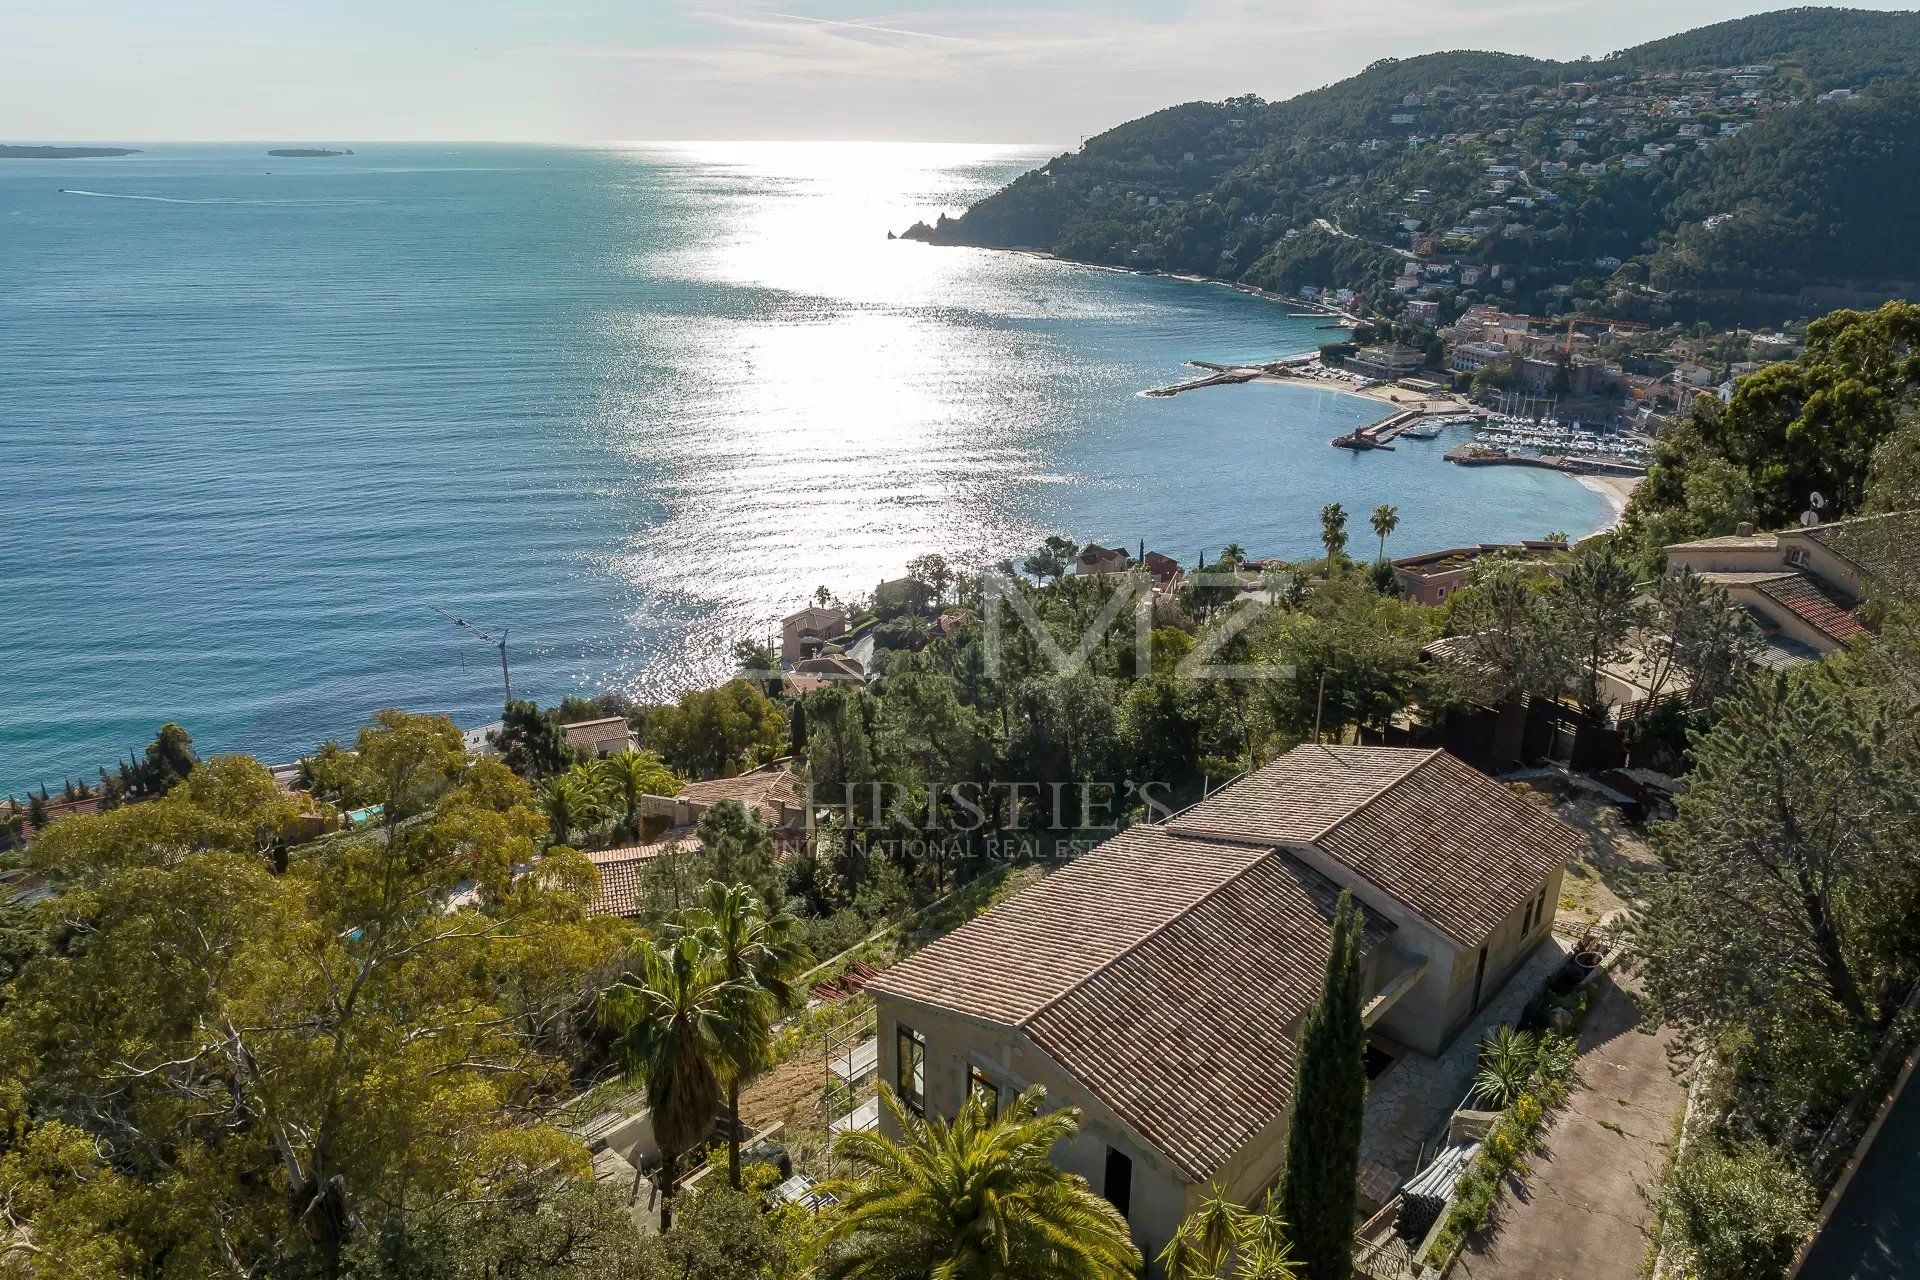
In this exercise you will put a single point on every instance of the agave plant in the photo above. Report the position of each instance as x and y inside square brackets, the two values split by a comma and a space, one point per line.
[1507, 1063]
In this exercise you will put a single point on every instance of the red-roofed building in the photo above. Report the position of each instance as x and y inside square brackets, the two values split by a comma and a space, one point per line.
[1158, 982]
[1803, 587]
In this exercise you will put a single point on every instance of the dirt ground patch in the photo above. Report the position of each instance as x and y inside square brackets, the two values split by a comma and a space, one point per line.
[789, 1094]
[1606, 877]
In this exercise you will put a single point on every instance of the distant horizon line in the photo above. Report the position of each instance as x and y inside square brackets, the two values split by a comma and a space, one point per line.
[516, 142]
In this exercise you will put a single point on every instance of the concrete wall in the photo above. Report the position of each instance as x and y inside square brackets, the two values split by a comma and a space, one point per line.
[1430, 1014]
[1839, 573]
[1161, 1194]
[1507, 947]
[1782, 619]
[1725, 559]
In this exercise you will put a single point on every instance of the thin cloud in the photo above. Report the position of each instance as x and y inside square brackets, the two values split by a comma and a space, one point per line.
[867, 26]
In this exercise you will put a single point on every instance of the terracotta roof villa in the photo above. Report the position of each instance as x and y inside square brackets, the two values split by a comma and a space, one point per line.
[600, 738]
[1157, 981]
[775, 789]
[622, 872]
[1803, 587]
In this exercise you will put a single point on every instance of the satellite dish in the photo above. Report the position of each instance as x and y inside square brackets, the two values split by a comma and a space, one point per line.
[1815, 501]
[1808, 519]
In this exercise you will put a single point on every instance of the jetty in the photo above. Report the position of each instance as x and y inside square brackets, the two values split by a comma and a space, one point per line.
[1480, 455]
[1382, 434]
[1220, 375]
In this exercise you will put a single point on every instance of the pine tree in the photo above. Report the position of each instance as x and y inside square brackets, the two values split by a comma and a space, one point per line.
[1319, 1192]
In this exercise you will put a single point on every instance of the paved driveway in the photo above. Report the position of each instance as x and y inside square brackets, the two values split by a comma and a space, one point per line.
[1583, 1211]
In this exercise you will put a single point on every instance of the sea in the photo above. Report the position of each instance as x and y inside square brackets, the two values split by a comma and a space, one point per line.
[619, 405]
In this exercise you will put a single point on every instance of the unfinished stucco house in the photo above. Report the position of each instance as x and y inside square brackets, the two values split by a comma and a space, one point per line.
[1157, 982]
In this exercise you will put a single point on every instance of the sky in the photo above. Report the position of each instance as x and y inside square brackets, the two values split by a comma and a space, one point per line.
[1016, 71]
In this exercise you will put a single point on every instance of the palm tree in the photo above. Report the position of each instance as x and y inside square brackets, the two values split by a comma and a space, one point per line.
[1386, 518]
[1233, 553]
[628, 775]
[1222, 1241]
[1333, 531]
[677, 1023]
[974, 1198]
[762, 951]
[571, 800]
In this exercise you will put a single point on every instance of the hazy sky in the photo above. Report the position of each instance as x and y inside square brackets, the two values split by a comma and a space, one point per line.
[992, 70]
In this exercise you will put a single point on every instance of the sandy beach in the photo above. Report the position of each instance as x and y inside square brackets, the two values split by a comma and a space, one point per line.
[1616, 490]
[1384, 392]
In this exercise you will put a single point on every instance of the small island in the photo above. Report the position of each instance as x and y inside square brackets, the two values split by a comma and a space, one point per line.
[10, 152]
[307, 153]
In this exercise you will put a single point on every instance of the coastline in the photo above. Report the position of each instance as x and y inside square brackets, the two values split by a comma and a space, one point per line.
[1346, 319]
[1616, 490]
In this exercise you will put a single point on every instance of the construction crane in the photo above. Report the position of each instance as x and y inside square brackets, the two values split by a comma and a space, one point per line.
[500, 644]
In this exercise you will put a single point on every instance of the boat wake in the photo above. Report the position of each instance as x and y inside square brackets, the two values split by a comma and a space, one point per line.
[127, 195]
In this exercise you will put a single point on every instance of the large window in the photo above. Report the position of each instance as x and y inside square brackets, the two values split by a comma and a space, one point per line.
[910, 1080]
[983, 1091]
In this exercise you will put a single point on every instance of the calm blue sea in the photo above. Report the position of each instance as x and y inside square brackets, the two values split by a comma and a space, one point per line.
[628, 404]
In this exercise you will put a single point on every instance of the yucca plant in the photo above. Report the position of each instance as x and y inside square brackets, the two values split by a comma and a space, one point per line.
[974, 1199]
[1507, 1065]
[1220, 1240]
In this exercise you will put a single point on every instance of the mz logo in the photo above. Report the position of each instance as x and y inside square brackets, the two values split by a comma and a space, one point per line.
[1133, 594]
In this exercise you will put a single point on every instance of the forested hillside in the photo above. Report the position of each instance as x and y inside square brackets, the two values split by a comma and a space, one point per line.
[1752, 170]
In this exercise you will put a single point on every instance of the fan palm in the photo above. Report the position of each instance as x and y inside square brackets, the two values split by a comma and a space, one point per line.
[572, 801]
[677, 1023]
[1233, 553]
[1385, 519]
[763, 952]
[977, 1199]
[1333, 531]
[1506, 1067]
[628, 775]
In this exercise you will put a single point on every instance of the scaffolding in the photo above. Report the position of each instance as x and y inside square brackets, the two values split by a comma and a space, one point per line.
[849, 1060]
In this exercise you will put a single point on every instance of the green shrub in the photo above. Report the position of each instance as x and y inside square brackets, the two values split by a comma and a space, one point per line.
[1740, 1210]
[1506, 1066]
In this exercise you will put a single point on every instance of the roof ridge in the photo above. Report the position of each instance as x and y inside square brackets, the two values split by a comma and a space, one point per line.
[1272, 850]
[1371, 800]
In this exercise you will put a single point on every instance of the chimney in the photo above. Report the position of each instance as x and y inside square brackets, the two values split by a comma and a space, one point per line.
[1744, 528]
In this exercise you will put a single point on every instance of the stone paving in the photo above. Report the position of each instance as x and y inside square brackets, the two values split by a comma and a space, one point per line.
[1411, 1102]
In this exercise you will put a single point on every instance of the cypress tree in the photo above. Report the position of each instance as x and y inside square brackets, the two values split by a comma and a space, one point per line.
[1319, 1193]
